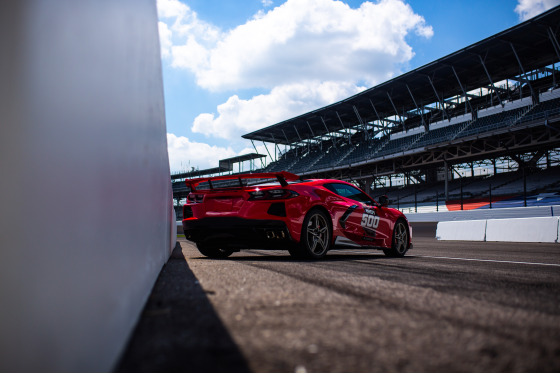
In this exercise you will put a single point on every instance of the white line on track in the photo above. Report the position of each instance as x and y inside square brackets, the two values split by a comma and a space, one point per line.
[357, 252]
[481, 260]
[464, 259]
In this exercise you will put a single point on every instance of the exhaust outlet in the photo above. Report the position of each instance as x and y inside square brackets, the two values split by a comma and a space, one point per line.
[270, 235]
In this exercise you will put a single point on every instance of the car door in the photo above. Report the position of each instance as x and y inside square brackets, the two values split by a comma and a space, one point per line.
[364, 222]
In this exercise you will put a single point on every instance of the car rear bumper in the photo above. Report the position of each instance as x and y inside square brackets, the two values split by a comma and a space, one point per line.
[238, 233]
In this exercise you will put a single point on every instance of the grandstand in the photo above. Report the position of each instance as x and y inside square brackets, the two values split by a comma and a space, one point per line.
[479, 126]
[226, 166]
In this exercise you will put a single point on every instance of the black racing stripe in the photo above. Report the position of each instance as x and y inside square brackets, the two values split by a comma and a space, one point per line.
[345, 216]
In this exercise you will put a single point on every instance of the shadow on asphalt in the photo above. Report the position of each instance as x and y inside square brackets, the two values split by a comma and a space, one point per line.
[179, 330]
[330, 257]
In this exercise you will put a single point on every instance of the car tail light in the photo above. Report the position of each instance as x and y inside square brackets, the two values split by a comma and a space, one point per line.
[194, 198]
[279, 194]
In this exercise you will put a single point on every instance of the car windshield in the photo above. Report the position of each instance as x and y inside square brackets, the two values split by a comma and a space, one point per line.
[349, 192]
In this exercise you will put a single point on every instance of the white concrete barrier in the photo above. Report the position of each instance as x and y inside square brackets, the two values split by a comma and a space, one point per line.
[83, 153]
[535, 229]
[461, 230]
[529, 230]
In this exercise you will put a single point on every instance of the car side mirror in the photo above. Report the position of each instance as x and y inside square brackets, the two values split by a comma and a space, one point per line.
[383, 200]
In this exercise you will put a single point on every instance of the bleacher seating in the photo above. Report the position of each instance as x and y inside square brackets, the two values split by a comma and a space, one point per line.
[493, 122]
[308, 160]
[284, 163]
[544, 108]
[331, 153]
[360, 152]
[440, 135]
[398, 145]
[330, 157]
[502, 184]
[548, 179]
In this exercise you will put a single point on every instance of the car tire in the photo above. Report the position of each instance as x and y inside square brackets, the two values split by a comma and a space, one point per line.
[213, 252]
[399, 242]
[316, 236]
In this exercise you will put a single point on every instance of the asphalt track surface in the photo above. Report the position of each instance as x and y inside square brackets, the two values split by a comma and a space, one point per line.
[445, 307]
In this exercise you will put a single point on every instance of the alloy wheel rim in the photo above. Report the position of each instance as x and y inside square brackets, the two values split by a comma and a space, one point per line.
[400, 237]
[317, 234]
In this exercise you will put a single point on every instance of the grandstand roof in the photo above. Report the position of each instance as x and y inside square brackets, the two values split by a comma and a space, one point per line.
[246, 157]
[511, 53]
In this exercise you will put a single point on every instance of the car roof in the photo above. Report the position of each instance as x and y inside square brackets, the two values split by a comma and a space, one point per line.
[323, 181]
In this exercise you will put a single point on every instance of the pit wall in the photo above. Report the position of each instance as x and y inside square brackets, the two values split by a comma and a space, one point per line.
[535, 229]
[83, 154]
[527, 224]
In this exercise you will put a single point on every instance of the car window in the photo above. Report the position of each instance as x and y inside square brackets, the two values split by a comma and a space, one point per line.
[349, 192]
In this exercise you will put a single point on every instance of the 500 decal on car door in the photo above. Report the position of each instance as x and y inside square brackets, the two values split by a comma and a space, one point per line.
[370, 221]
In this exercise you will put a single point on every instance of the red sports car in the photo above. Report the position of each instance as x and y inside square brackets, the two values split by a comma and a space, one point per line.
[307, 217]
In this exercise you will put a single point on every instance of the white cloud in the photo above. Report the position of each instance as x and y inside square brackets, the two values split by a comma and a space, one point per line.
[185, 154]
[190, 55]
[237, 116]
[171, 9]
[303, 55]
[529, 8]
[298, 40]
[179, 23]
[165, 39]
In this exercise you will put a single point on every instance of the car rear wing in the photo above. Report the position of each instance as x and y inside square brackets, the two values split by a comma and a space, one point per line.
[281, 176]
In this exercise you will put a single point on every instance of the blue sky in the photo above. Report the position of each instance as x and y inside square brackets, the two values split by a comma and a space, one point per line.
[234, 66]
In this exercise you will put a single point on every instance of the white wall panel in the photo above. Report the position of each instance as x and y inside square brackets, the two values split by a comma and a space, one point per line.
[83, 156]
[538, 229]
[461, 230]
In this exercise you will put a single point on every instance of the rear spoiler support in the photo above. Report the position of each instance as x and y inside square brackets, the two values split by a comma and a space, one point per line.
[282, 181]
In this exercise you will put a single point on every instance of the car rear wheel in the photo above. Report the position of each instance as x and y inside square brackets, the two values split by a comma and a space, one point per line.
[213, 252]
[399, 244]
[316, 236]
